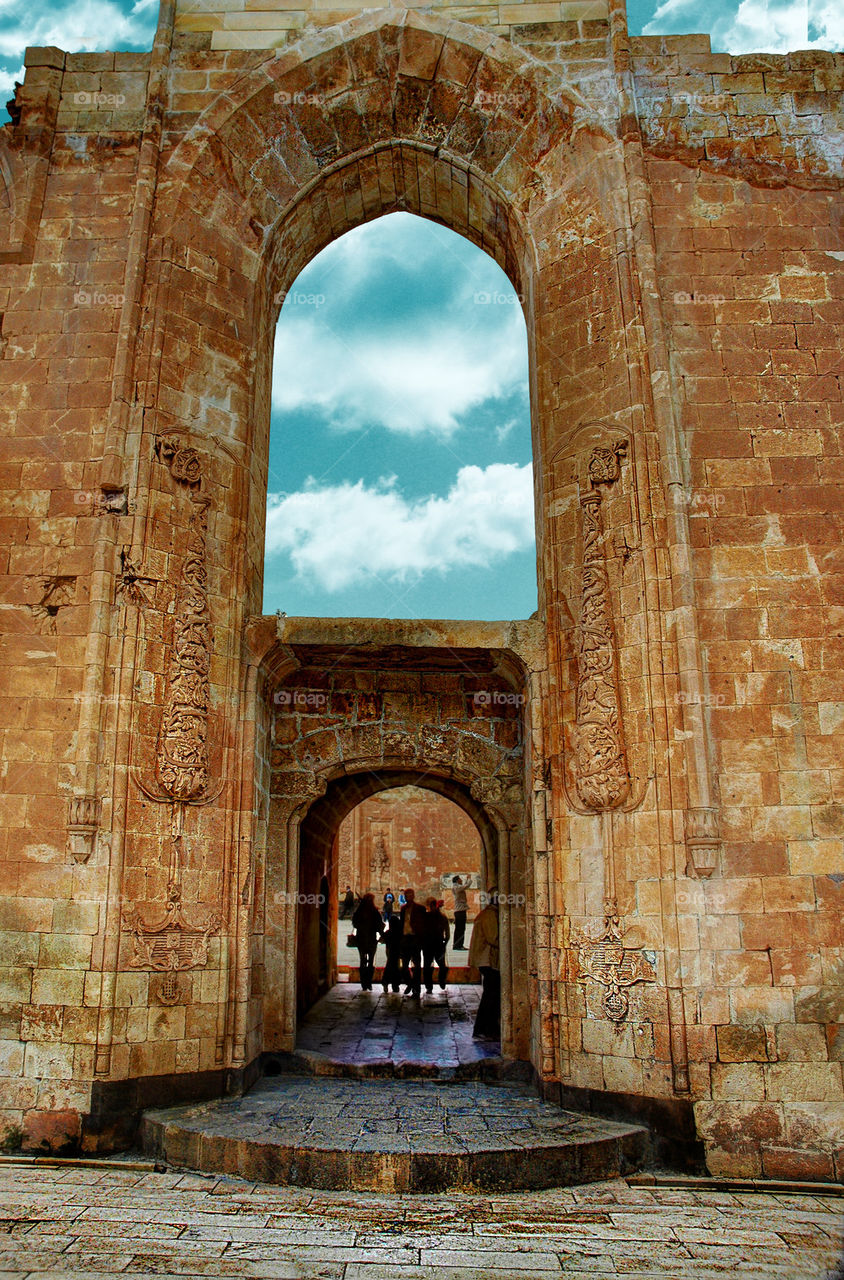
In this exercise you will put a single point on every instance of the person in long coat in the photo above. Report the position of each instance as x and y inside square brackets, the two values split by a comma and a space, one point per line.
[483, 955]
[368, 928]
[412, 917]
[391, 977]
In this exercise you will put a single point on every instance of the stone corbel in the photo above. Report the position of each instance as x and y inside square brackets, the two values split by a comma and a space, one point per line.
[703, 842]
[82, 825]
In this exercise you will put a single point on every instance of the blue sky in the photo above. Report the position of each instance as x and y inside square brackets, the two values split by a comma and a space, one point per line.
[400, 477]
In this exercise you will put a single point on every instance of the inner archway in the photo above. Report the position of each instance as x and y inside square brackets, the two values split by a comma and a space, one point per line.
[365, 839]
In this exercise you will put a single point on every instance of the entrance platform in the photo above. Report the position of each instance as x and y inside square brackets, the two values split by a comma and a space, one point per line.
[393, 1136]
[423, 1107]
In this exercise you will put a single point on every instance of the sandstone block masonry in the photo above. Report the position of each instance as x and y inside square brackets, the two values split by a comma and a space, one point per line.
[668, 792]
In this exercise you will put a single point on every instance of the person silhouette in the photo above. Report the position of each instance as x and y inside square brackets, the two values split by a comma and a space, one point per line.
[483, 955]
[368, 928]
[412, 917]
[435, 935]
[461, 907]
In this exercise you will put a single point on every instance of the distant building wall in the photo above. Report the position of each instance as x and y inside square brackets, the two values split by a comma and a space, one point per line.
[408, 837]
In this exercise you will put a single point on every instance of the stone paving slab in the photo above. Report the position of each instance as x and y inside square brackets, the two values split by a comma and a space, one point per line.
[414, 1135]
[366, 1034]
[228, 1227]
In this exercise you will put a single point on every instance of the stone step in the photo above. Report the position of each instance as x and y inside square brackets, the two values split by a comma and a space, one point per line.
[393, 1136]
[308, 1062]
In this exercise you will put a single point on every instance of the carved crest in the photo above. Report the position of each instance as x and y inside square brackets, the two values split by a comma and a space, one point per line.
[173, 942]
[605, 960]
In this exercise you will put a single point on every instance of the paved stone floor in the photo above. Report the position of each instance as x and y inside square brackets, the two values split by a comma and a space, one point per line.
[351, 1025]
[92, 1223]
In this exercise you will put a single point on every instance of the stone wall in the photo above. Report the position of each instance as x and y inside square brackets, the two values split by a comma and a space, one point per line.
[672, 220]
[408, 837]
[258, 24]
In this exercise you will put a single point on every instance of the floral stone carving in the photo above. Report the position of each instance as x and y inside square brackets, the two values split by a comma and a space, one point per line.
[602, 776]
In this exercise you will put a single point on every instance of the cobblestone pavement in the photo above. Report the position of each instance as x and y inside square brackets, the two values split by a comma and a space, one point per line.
[98, 1223]
[351, 1025]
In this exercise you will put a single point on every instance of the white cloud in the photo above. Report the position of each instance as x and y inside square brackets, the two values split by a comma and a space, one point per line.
[341, 535]
[407, 382]
[75, 25]
[755, 26]
[358, 314]
[7, 83]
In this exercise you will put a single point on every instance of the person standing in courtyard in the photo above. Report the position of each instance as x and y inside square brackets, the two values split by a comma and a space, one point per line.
[412, 917]
[347, 906]
[368, 928]
[461, 907]
[389, 903]
[391, 977]
[483, 955]
[434, 941]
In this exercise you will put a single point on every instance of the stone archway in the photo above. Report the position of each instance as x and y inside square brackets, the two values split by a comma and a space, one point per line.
[413, 113]
[376, 718]
[317, 833]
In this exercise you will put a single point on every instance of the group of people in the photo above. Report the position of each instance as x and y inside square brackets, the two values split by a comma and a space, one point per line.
[416, 938]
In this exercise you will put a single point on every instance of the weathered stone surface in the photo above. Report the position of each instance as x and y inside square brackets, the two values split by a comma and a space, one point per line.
[394, 1135]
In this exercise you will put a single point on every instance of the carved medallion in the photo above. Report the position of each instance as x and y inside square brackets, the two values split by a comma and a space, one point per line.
[172, 943]
[605, 960]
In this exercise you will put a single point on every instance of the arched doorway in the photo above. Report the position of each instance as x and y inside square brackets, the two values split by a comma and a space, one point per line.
[412, 821]
[264, 185]
[325, 762]
[318, 862]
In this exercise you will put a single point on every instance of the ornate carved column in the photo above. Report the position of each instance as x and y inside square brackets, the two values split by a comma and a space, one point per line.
[602, 777]
[181, 764]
